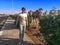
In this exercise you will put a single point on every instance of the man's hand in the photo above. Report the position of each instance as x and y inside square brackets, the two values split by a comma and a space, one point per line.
[26, 21]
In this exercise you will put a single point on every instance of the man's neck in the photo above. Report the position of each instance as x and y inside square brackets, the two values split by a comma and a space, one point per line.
[23, 12]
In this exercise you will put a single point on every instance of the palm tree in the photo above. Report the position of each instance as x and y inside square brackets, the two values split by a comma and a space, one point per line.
[40, 9]
[53, 8]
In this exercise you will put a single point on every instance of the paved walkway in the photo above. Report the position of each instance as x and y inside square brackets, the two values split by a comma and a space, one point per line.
[9, 31]
[31, 37]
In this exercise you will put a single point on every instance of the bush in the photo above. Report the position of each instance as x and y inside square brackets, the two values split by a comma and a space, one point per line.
[51, 25]
[29, 20]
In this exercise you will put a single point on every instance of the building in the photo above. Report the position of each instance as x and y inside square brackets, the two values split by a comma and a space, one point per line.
[58, 11]
[46, 12]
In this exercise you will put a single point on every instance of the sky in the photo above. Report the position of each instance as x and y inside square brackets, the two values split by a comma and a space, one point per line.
[14, 6]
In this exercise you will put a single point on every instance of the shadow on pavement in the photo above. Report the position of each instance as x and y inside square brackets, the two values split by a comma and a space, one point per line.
[13, 42]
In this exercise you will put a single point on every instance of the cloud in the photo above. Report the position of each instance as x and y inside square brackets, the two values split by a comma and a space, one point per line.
[8, 11]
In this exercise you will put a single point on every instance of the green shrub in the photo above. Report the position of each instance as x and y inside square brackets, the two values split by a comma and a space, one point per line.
[51, 25]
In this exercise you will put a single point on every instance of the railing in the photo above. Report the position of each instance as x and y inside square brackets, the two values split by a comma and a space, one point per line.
[4, 23]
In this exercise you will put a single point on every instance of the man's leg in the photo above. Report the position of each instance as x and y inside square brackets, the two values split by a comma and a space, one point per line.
[21, 33]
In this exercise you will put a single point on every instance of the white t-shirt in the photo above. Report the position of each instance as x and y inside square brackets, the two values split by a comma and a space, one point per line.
[24, 18]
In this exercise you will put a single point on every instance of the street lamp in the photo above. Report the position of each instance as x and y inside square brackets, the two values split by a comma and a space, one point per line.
[12, 7]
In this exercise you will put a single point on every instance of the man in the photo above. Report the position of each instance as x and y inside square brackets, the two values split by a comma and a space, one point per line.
[30, 13]
[40, 12]
[23, 23]
[35, 20]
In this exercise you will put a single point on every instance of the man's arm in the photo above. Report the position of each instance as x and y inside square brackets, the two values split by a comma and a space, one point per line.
[26, 20]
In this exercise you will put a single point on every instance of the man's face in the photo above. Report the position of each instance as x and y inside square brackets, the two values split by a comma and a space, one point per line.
[31, 13]
[23, 11]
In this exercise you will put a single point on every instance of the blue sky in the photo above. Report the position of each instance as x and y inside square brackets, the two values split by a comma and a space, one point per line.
[6, 5]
